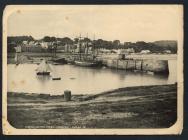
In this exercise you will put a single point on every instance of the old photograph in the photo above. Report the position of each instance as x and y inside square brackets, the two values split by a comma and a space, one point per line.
[93, 69]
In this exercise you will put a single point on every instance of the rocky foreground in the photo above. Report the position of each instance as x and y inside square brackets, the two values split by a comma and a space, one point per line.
[131, 107]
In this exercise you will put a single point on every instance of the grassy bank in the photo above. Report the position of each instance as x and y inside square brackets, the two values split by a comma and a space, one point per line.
[132, 107]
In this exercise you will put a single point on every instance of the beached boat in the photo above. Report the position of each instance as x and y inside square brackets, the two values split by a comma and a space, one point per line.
[43, 68]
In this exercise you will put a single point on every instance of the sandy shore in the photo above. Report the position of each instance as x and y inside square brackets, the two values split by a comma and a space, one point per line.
[131, 107]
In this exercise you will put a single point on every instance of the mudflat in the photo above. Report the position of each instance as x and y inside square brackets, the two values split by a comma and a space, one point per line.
[130, 107]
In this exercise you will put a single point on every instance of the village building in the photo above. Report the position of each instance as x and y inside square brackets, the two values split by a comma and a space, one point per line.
[145, 52]
[25, 42]
[105, 51]
[127, 51]
[18, 49]
[31, 43]
[167, 51]
[127, 43]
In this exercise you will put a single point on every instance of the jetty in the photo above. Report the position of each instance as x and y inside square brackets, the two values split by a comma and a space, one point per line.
[129, 63]
[144, 65]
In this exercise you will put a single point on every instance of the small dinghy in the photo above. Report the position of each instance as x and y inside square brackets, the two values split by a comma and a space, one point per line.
[56, 78]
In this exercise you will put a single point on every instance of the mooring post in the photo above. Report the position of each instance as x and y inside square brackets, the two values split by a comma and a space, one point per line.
[67, 95]
[141, 64]
[135, 65]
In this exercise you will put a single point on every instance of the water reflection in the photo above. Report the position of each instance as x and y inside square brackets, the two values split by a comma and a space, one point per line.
[42, 78]
[81, 80]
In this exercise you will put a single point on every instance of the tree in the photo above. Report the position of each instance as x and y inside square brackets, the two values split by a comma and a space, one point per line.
[116, 43]
[46, 39]
[86, 39]
[19, 39]
[66, 40]
[76, 40]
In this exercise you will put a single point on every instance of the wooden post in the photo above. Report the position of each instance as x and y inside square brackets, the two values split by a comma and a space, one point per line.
[141, 65]
[126, 65]
[67, 95]
[135, 65]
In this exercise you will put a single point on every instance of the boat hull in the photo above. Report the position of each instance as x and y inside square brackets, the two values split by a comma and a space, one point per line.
[56, 78]
[86, 64]
[43, 73]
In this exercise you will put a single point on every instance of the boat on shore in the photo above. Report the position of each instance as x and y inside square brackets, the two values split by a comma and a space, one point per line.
[43, 68]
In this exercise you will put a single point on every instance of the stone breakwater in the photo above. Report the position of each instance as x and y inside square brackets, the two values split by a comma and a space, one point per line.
[156, 66]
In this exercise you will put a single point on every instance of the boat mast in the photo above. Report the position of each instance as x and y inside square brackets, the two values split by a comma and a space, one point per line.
[79, 43]
[55, 48]
[93, 46]
[87, 46]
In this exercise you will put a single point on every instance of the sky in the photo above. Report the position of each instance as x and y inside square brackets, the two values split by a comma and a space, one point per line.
[125, 23]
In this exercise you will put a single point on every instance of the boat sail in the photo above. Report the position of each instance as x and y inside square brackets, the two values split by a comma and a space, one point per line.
[43, 68]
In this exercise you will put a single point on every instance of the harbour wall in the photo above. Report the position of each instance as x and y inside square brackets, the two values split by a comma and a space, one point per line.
[139, 62]
[146, 65]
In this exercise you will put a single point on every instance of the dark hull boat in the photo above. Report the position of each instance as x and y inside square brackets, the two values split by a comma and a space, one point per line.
[56, 78]
[43, 73]
[88, 60]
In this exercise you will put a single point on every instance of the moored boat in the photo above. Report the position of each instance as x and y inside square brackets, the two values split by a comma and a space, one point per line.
[43, 73]
[43, 68]
[86, 63]
[56, 78]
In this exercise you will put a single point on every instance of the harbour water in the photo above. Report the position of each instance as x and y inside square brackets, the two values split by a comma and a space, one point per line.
[81, 80]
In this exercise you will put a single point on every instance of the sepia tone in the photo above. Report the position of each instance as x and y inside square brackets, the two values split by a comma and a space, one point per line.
[93, 69]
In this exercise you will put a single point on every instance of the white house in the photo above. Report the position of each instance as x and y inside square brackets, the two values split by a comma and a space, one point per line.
[18, 49]
[167, 51]
[25, 42]
[127, 51]
[145, 52]
[31, 42]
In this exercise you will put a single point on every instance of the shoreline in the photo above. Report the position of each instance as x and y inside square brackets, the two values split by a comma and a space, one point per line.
[86, 96]
[35, 57]
[129, 107]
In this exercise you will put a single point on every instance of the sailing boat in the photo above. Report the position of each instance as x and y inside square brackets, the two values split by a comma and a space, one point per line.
[43, 68]
[85, 62]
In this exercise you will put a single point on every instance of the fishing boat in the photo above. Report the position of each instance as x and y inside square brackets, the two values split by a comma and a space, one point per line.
[43, 68]
[85, 62]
